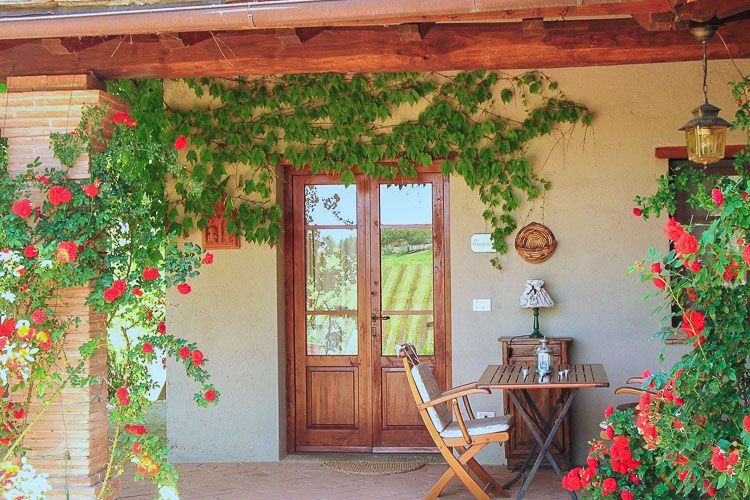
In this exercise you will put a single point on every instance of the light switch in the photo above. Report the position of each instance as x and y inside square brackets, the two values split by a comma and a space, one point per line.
[482, 305]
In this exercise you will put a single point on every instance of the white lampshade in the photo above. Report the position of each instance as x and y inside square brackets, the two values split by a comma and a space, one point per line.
[534, 295]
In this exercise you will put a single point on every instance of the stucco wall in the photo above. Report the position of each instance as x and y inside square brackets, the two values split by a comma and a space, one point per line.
[233, 311]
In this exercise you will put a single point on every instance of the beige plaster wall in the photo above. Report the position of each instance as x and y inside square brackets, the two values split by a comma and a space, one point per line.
[234, 309]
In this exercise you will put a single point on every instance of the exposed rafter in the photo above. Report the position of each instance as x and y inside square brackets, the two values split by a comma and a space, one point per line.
[369, 49]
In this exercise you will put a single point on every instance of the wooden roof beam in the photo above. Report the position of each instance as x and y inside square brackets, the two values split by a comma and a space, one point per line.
[374, 49]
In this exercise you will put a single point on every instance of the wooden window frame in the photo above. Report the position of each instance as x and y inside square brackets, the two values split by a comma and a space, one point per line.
[674, 155]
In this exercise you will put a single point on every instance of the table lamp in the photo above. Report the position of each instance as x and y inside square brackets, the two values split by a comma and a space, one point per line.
[535, 296]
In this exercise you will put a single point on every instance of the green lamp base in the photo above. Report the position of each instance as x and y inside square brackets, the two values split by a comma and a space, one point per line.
[536, 334]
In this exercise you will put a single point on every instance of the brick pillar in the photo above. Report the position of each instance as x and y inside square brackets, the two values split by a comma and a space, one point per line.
[69, 442]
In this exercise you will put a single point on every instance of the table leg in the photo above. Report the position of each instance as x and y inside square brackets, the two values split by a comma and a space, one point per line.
[545, 424]
[544, 443]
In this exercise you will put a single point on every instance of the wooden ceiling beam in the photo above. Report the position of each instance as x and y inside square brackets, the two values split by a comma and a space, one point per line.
[379, 49]
[705, 10]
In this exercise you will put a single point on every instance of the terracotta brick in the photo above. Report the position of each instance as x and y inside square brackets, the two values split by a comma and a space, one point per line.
[70, 440]
[53, 82]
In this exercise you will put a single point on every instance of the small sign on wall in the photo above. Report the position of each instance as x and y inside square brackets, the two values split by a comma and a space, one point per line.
[482, 243]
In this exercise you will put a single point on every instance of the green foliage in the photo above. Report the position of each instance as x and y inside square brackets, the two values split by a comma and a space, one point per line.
[479, 124]
[696, 425]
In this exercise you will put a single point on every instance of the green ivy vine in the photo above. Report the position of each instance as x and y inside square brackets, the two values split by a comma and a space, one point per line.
[478, 124]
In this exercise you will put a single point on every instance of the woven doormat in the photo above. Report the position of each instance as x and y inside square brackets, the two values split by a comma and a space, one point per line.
[372, 468]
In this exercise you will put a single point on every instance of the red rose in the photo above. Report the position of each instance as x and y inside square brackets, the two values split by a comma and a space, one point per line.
[637, 212]
[610, 432]
[208, 258]
[683, 474]
[733, 457]
[124, 119]
[746, 423]
[8, 327]
[18, 413]
[184, 352]
[136, 430]
[626, 495]
[209, 395]
[693, 323]
[717, 196]
[150, 273]
[137, 448]
[634, 478]
[609, 411]
[745, 196]
[180, 142]
[122, 396]
[67, 251]
[43, 179]
[572, 480]
[732, 270]
[147, 348]
[115, 291]
[659, 282]
[137, 292]
[38, 316]
[197, 357]
[656, 268]
[22, 208]
[31, 251]
[90, 190]
[161, 328]
[687, 244]
[184, 288]
[59, 195]
[677, 425]
[673, 229]
[609, 485]
[746, 254]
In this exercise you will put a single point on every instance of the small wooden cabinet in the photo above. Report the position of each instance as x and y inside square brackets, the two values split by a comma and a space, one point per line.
[521, 351]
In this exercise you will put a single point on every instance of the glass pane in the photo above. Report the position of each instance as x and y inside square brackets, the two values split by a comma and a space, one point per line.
[406, 204]
[330, 204]
[406, 269]
[331, 269]
[417, 329]
[329, 334]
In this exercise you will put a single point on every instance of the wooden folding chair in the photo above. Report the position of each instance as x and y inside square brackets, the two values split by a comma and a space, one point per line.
[629, 390]
[466, 437]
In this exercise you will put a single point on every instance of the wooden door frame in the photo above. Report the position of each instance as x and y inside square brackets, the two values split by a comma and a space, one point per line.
[289, 291]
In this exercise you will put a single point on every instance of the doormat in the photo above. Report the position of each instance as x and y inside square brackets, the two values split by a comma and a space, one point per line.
[372, 468]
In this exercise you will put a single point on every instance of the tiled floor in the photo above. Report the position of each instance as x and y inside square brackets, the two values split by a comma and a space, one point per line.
[297, 479]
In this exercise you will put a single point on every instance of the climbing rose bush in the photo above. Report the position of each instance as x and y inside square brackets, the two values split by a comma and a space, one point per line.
[689, 436]
[105, 234]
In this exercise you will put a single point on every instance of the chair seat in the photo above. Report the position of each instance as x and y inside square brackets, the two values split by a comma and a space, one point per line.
[478, 426]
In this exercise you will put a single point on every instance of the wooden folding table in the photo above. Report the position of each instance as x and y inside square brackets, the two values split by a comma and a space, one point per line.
[511, 378]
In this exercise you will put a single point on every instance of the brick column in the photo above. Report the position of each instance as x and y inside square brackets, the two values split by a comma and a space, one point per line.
[69, 442]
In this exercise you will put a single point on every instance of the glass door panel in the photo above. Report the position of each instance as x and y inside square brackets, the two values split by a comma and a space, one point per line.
[406, 267]
[331, 269]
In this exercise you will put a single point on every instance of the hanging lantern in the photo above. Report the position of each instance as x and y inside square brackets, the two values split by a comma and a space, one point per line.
[706, 133]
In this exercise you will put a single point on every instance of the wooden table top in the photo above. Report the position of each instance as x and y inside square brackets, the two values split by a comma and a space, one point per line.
[511, 377]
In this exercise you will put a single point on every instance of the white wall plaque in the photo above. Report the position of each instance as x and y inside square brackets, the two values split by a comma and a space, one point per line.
[481, 243]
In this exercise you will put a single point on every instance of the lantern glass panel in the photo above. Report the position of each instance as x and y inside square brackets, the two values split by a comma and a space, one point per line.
[706, 144]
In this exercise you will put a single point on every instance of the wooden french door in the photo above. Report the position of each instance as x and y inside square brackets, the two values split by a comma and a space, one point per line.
[368, 272]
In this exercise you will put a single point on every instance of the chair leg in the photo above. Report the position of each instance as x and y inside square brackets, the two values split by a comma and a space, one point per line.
[467, 457]
[441, 484]
[457, 468]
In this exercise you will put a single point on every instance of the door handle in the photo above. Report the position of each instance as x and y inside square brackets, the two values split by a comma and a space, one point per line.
[374, 329]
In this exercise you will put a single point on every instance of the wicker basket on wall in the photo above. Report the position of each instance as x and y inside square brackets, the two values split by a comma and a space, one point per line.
[535, 243]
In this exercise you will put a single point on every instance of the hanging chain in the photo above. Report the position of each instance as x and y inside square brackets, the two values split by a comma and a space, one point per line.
[705, 73]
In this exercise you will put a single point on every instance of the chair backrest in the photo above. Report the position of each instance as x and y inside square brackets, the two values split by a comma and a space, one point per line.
[426, 386]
